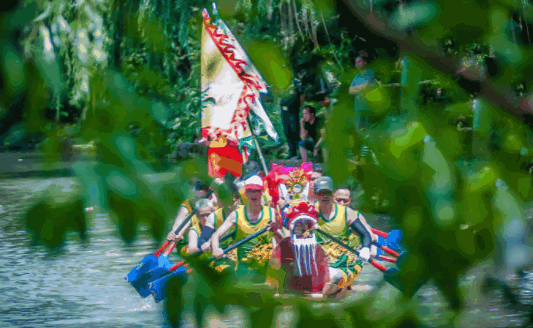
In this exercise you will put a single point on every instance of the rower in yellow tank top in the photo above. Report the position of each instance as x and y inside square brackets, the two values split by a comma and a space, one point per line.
[336, 225]
[260, 247]
[197, 226]
[198, 191]
[339, 221]
[247, 220]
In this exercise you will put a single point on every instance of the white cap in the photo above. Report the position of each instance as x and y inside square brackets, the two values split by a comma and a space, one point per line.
[254, 183]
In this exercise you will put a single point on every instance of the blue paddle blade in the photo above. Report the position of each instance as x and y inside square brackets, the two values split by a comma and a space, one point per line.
[158, 287]
[162, 267]
[148, 263]
[395, 239]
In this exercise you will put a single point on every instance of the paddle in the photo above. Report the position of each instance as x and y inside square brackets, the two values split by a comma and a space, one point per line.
[382, 244]
[150, 261]
[145, 264]
[240, 242]
[391, 275]
[157, 287]
[163, 266]
[393, 239]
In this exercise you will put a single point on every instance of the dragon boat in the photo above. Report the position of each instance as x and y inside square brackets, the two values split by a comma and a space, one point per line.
[299, 266]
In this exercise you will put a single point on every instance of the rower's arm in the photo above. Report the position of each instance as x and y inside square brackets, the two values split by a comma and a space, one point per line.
[224, 228]
[358, 222]
[183, 212]
[185, 229]
[303, 131]
[192, 246]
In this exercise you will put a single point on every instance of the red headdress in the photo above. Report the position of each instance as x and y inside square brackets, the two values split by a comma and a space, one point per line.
[301, 211]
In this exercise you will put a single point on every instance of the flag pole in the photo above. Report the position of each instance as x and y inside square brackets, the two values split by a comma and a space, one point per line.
[261, 158]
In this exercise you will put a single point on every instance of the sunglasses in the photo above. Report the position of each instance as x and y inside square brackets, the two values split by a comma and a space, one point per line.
[325, 193]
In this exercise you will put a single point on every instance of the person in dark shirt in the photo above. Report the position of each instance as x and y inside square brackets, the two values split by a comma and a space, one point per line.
[290, 110]
[310, 133]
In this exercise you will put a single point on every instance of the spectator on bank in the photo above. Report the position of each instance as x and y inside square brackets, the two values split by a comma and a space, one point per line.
[360, 84]
[311, 133]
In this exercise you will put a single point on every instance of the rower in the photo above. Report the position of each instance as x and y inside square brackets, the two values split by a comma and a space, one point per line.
[214, 221]
[196, 235]
[336, 220]
[342, 196]
[317, 173]
[200, 190]
[249, 219]
[202, 229]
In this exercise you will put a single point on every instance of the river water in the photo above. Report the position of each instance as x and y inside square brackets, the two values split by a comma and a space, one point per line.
[83, 285]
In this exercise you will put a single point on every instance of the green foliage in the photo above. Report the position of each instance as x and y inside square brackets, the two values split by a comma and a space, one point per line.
[133, 73]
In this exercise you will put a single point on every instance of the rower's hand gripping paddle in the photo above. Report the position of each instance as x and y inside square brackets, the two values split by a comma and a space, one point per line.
[150, 262]
[158, 287]
[391, 275]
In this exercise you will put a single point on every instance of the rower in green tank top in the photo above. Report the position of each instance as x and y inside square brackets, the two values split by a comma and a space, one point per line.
[337, 220]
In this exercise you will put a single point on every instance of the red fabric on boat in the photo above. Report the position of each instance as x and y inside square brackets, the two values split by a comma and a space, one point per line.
[283, 257]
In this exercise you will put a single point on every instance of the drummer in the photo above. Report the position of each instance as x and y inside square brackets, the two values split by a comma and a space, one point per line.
[337, 220]
[247, 220]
